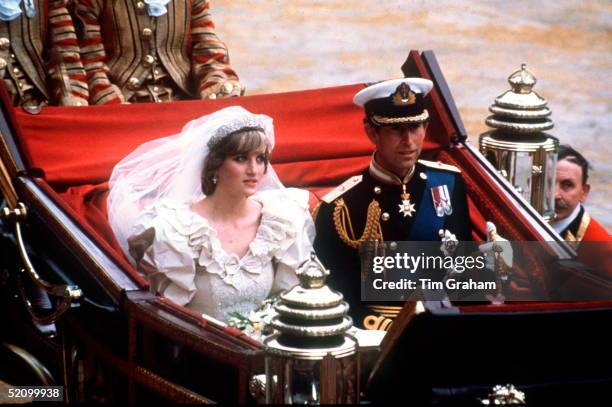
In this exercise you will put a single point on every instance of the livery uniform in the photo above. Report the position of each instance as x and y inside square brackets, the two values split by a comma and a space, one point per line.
[153, 51]
[368, 207]
[580, 227]
[39, 55]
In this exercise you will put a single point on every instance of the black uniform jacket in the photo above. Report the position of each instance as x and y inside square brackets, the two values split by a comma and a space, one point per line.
[343, 260]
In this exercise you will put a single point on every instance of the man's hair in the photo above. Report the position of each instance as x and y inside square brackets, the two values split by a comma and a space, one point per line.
[566, 152]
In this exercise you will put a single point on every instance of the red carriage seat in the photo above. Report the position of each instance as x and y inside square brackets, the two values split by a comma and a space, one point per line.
[319, 143]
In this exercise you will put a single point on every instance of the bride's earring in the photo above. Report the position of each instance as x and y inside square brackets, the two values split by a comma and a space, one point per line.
[214, 179]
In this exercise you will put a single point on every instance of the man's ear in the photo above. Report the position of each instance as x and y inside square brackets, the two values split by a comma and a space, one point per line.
[586, 188]
[370, 131]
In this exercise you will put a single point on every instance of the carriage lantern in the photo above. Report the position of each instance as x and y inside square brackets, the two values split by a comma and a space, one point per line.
[311, 359]
[518, 147]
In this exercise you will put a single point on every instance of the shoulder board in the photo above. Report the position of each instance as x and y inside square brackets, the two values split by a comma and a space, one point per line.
[439, 166]
[342, 188]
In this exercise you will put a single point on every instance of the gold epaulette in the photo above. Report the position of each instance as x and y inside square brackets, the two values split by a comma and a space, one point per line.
[439, 166]
[342, 188]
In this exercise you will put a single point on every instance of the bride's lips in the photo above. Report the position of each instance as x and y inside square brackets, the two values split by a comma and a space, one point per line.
[250, 182]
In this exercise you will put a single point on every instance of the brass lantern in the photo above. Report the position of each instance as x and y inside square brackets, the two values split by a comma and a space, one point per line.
[311, 359]
[518, 147]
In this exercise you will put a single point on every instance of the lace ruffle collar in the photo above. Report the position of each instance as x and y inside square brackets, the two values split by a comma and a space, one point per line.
[274, 235]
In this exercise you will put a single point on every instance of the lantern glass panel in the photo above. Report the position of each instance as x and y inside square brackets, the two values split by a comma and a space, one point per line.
[522, 174]
[305, 382]
[549, 195]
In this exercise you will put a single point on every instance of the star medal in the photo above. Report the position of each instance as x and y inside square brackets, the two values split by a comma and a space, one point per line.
[406, 208]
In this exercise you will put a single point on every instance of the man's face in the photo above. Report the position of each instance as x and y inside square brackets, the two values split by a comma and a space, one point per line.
[397, 147]
[570, 191]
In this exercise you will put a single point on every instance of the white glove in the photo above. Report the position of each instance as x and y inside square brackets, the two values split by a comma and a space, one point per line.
[224, 89]
[496, 246]
[449, 242]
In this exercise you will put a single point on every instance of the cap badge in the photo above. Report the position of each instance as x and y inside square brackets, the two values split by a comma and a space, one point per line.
[403, 95]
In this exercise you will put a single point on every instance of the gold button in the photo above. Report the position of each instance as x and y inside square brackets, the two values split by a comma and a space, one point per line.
[140, 5]
[13, 56]
[423, 175]
[20, 84]
[15, 70]
[3, 63]
[4, 43]
[156, 72]
[147, 32]
[393, 245]
[155, 89]
[377, 190]
[133, 83]
[148, 60]
[385, 216]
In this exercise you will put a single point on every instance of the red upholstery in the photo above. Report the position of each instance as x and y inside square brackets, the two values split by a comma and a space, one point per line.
[318, 131]
[319, 143]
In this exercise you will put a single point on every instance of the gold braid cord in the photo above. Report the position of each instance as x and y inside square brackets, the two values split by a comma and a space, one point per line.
[315, 211]
[342, 219]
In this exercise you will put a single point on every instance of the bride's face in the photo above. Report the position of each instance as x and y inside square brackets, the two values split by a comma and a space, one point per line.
[241, 173]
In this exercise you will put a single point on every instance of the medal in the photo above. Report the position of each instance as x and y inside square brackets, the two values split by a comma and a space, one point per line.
[441, 201]
[406, 208]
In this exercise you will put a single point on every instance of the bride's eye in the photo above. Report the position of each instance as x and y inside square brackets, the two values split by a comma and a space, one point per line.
[261, 158]
[239, 158]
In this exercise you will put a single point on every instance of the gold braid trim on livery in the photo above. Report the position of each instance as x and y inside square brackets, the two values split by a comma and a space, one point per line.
[371, 231]
[575, 240]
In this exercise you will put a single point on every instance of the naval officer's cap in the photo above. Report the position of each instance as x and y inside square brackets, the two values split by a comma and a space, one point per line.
[395, 102]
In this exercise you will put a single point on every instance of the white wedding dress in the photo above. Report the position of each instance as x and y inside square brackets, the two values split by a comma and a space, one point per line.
[187, 264]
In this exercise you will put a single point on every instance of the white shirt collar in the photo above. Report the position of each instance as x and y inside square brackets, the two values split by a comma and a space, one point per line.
[156, 8]
[562, 224]
[380, 173]
[11, 9]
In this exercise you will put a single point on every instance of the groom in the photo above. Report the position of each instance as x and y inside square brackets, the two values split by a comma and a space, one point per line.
[397, 198]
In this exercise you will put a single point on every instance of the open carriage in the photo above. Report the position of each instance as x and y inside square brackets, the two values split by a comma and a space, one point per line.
[117, 341]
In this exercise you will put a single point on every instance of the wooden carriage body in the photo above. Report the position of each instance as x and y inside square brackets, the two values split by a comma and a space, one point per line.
[119, 341]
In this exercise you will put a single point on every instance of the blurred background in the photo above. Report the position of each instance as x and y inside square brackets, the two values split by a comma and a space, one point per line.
[282, 45]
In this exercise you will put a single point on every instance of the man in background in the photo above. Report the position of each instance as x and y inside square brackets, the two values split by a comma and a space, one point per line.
[39, 56]
[573, 222]
[153, 51]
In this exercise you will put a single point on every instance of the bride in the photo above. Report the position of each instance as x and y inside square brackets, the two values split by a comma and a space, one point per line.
[204, 216]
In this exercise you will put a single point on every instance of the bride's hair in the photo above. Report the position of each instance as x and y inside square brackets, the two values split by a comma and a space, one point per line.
[242, 141]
